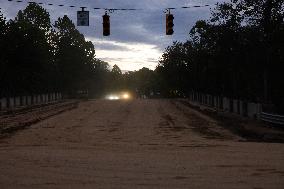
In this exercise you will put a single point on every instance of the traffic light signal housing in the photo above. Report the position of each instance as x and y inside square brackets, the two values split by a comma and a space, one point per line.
[169, 24]
[106, 25]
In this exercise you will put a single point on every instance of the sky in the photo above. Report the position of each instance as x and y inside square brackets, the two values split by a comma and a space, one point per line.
[138, 37]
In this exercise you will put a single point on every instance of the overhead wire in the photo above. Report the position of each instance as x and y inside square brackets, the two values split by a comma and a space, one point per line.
[85, 20]
[108, 9]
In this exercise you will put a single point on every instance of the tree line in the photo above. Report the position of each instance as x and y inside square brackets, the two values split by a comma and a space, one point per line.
[38, 56]
[238, 52]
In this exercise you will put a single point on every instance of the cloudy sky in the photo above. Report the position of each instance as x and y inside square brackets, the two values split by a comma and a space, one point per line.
[137, 37]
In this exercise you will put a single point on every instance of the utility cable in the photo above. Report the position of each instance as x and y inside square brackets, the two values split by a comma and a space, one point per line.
[107, 9]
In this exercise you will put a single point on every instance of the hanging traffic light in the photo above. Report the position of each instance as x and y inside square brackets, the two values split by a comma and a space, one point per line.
[106, 25]
[169, 24]
[83, 17]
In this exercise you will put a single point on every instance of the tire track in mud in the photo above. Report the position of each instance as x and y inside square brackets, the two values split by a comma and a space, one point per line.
[108, 125]
[182, 131]
[173, 127]
[185, 120]
[11, 123]
[116, 122]
[204, 125]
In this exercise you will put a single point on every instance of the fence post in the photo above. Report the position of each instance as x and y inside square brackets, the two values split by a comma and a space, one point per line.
[29, 100]
[207, 99]
[241, 107]
[254, 110]
[235, 106]
[45, 98]
[221, 102]
[245, 108]
[11, 102]
[226, 104]
[231, 105]
[32, 100]
[216, 102]
[38, 99]
[41, 99]
[24, 100]
[3, 103]
[17, 101]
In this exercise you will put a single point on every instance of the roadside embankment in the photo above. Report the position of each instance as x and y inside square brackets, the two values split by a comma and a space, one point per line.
[13, 120]
[250, 129]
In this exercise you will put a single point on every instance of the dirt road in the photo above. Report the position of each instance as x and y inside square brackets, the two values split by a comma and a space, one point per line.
[136, 144]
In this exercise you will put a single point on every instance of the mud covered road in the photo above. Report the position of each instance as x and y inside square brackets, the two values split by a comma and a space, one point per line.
[136, 144]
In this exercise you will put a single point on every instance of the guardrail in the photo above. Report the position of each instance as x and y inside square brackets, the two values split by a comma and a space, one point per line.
[272, 118]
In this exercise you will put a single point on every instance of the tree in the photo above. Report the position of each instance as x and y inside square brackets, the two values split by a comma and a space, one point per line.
[37, 58]
[264, 19]
[75, 57]
[116, 70]
[100, 78]
[144, 80]
[238, 53]
[27, 54]
[37, 16]
[173, 68]
[115, 79]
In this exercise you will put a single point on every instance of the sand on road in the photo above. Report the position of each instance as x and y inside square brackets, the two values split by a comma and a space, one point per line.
[136, 144]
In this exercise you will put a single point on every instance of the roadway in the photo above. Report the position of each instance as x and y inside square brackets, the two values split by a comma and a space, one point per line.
[136, 144]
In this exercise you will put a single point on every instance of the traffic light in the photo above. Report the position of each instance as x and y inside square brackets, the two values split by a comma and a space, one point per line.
[169, 24]
[106, 25]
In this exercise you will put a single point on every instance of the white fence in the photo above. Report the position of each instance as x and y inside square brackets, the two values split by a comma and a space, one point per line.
[224, 104]
[272, 118]
[23, 101]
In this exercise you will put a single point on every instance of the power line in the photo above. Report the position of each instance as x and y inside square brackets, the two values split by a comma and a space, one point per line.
[108, 9]
[83, 16]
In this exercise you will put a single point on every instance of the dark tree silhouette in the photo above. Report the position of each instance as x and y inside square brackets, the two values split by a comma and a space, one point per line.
[37, 57]
[238, 53]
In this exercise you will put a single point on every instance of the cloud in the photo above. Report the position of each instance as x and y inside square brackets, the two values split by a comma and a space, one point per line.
[136, 56]
[110, 47]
